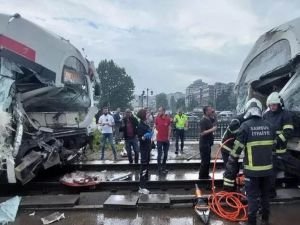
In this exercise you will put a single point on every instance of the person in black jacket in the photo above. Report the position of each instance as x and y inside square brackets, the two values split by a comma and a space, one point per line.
[144, 135]
[129, 129]
[118, 123]
[256, 137]
[206, 141]
[282, 124]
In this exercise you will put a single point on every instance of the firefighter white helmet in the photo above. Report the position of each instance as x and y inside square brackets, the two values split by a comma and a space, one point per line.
[274, 98]
[253, 108]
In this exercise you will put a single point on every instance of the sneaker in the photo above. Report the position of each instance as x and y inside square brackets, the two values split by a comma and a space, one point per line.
[144, 191]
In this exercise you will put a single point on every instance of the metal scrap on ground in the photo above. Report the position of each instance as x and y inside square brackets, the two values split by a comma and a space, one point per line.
[79, 179]
[53, 218]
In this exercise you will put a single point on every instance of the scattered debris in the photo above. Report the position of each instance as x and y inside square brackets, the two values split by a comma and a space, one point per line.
[123, 153]
[32, 214]
[8, 210]
[53, 218]
[120, 177]
[80, 179]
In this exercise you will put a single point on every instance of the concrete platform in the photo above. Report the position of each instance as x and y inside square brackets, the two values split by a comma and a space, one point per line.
[121, 201]
[49, 201]
[284, 195]
[154, 201]
[93, 198]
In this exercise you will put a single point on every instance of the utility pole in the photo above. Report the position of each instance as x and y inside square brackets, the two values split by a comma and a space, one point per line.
[147, 96]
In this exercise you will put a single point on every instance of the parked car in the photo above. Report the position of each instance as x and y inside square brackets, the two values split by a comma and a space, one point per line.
[193, 119]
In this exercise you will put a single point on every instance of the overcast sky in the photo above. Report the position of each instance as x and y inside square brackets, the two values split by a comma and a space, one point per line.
[163, 45]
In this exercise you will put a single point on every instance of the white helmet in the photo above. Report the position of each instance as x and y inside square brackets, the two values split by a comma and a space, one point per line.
[274, 98]
[253, 108]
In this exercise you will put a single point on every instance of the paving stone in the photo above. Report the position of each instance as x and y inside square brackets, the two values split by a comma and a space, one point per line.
[93, 198]
[154, 200]
[47, 201]
[287, 194]
[121, 201]
[182, 198]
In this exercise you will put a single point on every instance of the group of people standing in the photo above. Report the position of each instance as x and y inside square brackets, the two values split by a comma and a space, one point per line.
[138, 129]
[163, 128]
[138, 136]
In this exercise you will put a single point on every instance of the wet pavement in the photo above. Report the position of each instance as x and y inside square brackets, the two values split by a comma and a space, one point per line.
[141, 213]
[134, 175]
[280, 215]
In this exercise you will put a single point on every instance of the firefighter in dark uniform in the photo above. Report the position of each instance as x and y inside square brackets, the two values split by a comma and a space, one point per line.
[256, 137]
[230, 133]
[282, 123]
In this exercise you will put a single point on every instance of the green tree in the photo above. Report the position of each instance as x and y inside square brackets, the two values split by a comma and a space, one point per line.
[180, 104]
[173, 104]
[161, 100]
[116, 85]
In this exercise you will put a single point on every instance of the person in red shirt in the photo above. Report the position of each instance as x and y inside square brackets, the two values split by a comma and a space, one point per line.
[163, 127]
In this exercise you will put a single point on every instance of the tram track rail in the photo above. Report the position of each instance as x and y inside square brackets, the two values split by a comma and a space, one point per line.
[181, 176]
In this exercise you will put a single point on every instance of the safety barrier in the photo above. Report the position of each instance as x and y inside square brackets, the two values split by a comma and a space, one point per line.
[193, 131]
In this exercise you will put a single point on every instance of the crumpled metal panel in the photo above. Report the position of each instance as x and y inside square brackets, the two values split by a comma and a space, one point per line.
[9, 209]
[19, 130]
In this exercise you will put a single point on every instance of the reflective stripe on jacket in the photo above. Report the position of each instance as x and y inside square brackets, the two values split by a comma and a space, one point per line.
[256, 137]
[282, 124]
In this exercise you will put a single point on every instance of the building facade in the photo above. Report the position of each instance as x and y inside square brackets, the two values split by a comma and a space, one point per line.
[206, 94]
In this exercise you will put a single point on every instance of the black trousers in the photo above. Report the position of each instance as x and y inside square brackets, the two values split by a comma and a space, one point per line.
[225, 156]
[179, 134]
[162, 148]
[205, 152]
[145, 150]
[257, 191]
[132, 144]
[284, 162]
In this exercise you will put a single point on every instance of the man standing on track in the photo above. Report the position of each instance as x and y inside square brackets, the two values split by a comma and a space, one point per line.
[163, 127]
[206, 141]
[181, 123]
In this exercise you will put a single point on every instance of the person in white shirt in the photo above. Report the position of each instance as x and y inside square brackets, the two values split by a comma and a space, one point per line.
[106, 121]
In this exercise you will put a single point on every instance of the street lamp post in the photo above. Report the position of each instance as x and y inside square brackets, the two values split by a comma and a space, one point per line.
[151, 92]
[146, 96]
